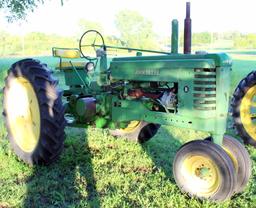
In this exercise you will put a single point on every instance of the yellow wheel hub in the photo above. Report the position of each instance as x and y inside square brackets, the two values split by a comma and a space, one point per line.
[23, 114]
[200, 175]
[246, 114]
[131, 126]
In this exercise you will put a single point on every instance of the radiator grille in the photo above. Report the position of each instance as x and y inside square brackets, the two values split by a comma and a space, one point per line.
[204, 91]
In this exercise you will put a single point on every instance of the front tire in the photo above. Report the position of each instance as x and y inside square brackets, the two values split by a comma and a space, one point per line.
[203, 169]
[34, 113]
[241, 160]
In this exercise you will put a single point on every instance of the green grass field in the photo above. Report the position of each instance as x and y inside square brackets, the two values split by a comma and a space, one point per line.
[98, 170]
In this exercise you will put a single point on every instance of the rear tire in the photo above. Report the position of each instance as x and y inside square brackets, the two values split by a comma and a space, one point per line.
[138, 131]
[244, 109]
[203, 169]
[34, 113]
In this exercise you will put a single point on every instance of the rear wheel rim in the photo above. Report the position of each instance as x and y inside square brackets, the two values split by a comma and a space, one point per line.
[23, 114]
[201, 175]
[247, 116]
[131, 127]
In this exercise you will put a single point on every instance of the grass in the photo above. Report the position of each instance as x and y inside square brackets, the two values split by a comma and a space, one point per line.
[98, 170]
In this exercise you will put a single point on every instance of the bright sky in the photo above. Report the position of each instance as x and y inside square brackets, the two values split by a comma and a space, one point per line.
[207, 15]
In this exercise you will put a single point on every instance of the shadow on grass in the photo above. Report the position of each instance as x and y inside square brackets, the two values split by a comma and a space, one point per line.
[162, 150]
[164, 146]
[69, 182]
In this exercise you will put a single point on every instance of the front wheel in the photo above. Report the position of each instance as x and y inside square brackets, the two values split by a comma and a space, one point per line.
[241, 160]
[203, 169]
[33, 111]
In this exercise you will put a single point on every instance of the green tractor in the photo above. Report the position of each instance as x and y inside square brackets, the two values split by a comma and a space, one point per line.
[131, 96]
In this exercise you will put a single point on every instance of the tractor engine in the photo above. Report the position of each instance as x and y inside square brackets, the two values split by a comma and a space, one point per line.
[162, 97]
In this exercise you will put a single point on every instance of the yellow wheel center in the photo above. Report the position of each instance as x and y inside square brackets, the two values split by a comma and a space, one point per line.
[203, 172]
[23, 114]
[200, 175]
[131, 126]
[247, 114]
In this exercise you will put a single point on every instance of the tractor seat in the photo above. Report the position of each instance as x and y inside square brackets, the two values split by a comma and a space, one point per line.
[69, 53]
[66, 64]
[66, 52]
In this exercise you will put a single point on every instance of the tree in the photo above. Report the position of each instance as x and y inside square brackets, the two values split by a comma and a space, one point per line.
[135, 30]
[17, 9]
[202, 38]
[85, 25]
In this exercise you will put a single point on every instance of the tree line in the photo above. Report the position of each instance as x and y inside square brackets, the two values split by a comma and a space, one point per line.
[134, 31]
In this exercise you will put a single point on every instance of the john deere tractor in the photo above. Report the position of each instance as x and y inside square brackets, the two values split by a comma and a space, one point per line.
[132, 96]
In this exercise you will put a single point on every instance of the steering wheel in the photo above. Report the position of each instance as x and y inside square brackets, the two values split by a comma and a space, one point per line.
[90, 42]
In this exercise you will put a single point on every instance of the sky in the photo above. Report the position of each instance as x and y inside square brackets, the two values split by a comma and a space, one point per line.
[207, 15]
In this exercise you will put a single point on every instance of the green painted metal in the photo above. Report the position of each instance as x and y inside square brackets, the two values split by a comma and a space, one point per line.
[202, 90]
[100, 122]
[157, 68]
[86, 82]
[183, 90]
[175, 36]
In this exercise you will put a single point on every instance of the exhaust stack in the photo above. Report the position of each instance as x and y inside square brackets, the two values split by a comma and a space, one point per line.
[187, 30]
